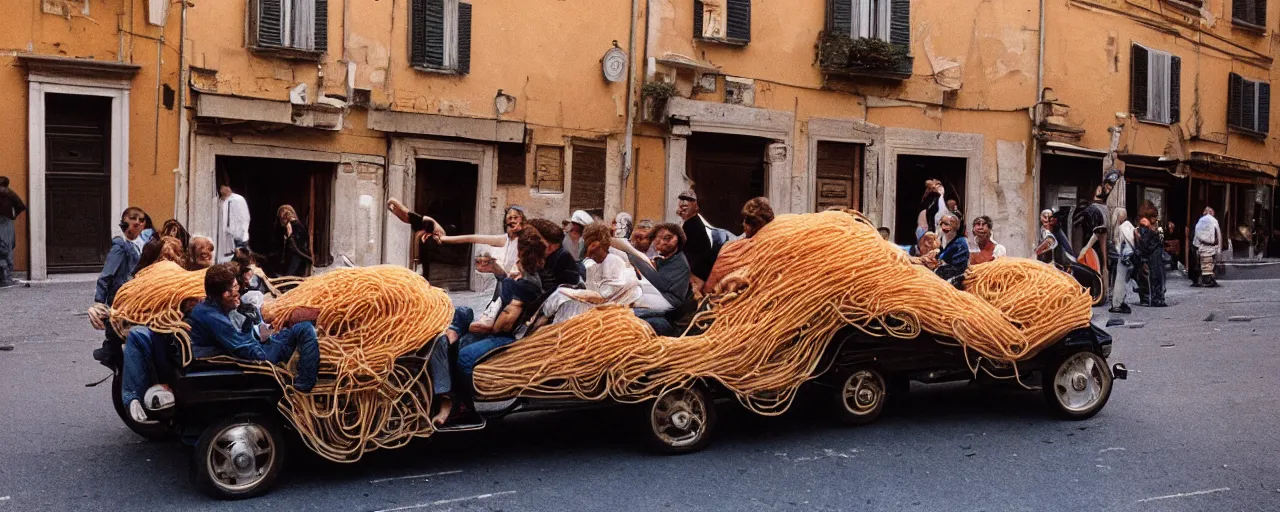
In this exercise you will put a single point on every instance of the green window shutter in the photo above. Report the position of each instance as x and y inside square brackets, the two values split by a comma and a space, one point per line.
[270, 29]
[1138, 81]
[1235, 86]
[1175, 89]
[697, 19]
[840, 17]
[900, 24]
[738, 21]
[322, 26]
[464, 38]
[1264, 107]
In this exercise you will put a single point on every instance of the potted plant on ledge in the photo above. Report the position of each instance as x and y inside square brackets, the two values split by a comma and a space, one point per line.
[656, 95]
[863, 56]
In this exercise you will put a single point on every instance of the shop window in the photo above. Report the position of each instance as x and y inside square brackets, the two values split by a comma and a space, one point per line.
[1155, 85]
[299, 25]
[440, 35]
[1248, 105]
[725, 21]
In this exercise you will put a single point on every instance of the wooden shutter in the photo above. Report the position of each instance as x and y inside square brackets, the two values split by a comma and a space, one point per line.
[322, 25]
[1260, 12]
[548, 169]
[433, 33]
[270, 29]
[464, 38]
[900, 24]
[586, 190]
[1175, 89]
[1235, 86]
[1239, 9]
[697, 19]
[1264, 107]
[1248, 105]
[840, 17]
[1138, 81]
[738, 21]
[418, 32]
[511, 163]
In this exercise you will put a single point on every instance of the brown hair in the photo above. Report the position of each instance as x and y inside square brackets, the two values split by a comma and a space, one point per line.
[219, 278]
[284, 208]
[549, 230]
[1148, 211]
[597, 232]
[672, 228]
[173, 228]
[757, 212]
[532, 250]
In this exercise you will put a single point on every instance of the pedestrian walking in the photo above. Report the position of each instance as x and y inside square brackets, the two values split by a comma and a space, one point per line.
[1208, 238]
[233, 223]
[11, 206]
[1122, 238]
[1150, 248]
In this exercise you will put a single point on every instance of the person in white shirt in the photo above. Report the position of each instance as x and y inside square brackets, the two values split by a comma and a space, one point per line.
[1124, 242]
[233, 223]
[610, 280]
[502, 248]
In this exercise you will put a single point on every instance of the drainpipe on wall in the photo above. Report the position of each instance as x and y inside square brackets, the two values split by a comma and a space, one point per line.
[182, 178]
[631, 107]
[1035, 140]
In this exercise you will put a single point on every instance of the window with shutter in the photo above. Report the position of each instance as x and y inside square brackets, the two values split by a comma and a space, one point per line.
[863, 20]
[1155, 85]
[1248, 105]
[548, 169]
[440, 35]
[586, 190]
[723, 21]
[301, 25]
[1250, 13]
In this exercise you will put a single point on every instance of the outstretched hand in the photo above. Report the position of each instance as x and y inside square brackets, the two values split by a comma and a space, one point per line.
[397, 208]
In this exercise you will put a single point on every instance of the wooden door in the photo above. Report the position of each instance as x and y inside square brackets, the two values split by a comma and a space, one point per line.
[727, 171]
[839, 175]
[446, 191]
[586, 191]
[78, 182]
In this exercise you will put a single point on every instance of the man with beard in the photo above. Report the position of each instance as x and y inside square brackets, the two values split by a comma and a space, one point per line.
[954, 258]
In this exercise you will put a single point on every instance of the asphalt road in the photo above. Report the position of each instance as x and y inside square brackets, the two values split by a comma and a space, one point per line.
[1194, 428]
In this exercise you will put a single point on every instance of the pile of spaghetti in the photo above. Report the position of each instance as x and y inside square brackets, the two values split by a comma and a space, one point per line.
[802, 278]
[369, 318]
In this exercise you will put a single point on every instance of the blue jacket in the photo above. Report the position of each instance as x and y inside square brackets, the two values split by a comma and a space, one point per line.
[118, 270]
[214, 334]
[954, 258]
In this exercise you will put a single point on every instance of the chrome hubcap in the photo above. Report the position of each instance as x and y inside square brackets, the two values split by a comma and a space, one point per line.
[241, 456]
[863, 391]
[1081, 382]
[679, 417]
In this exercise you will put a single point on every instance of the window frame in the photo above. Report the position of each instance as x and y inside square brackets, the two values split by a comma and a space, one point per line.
[287, 48]
[451, 59]
[1251, 23]
[877, 11]
[1257, 130]
[1165, 92]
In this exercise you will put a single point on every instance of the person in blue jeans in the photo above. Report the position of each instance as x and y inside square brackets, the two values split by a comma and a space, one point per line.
[145, 356]
[515, 297]
[213, 333]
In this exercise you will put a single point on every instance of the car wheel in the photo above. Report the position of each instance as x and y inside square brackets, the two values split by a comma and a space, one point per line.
[861, 395]
[681, 420]
[150, 431]
[1078, 385]
[238, 457]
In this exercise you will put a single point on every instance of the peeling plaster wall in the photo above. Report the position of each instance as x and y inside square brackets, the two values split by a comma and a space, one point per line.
[1210, 47]
[77, 32]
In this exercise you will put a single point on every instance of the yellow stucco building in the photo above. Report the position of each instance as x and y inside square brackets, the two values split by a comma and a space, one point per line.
[461, 108]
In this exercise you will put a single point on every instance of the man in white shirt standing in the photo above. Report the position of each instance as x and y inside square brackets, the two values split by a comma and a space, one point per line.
[233, 223]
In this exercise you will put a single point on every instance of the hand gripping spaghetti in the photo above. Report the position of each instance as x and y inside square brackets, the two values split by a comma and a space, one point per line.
[804, 277]
[154, 298]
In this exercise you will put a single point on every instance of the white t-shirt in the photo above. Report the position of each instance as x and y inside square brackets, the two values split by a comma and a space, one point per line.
[612, 276]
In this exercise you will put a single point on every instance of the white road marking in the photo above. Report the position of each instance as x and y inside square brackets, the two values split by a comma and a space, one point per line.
[448, 501]
[415, 477]
[1185, 494]
[4, 498]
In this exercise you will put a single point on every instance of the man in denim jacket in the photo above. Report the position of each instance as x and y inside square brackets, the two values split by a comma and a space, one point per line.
[123, 256]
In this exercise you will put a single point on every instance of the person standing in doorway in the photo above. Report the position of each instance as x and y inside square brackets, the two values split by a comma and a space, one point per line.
[11, 206]
[295, 254]
[233, 223]
[703, 241]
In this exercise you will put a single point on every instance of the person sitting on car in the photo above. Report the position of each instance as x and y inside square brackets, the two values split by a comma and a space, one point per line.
[954, 258]
[609, 280]
[475, 338]
[146, 357]
[213, 333]
[668, 272]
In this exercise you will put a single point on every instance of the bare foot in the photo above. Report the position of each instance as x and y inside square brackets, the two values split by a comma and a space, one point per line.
[446, 407]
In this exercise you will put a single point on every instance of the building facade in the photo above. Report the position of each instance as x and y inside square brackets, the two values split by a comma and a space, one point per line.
[461, 108]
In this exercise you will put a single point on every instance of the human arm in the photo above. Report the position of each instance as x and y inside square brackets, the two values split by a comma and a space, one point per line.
[492, 240]
[115, 259]
[637, 258]
[242, 345]
[506, 321]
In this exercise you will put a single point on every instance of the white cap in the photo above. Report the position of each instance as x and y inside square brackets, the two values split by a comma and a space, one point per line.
[581, 217]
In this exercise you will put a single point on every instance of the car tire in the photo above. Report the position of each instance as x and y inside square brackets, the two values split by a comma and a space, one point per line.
[239, 457]
[149, 431]
[860, 395]
[1077, 385]
[681, 420]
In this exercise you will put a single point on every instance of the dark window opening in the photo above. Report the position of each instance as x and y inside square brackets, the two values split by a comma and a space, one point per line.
[913, 171]
[445, 190]
[727, 171]
[269, 183]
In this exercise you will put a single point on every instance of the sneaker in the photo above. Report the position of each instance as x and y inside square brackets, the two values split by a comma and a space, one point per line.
[158, 397]
[139, 414]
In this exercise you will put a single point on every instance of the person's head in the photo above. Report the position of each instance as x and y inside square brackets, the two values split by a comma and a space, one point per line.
[286, 214]
[171, 250]
[201, 252]
[1208, 211]
[1046, 218]
[1108, 184]
[755, 214]
[949, 225]
[928, 243]
[173, 228]
[1119, 216]
[4, 182]
[642, 235]
[596, 239]
[132, 221]
[551, 234]
[884, 232]
[224, 191]
[513, 220]
[687, 205]
[1149, 212]
[622, 225]
[221, 285]
[576, 224]
[668, 238]
[531, 248]
[982, 227]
